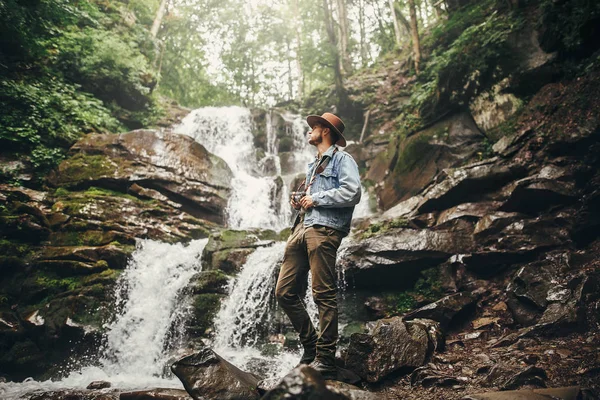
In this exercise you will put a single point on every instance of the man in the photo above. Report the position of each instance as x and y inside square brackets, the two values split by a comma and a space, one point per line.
[332, 188]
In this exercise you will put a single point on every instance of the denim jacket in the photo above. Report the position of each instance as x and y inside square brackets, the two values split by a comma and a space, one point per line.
[335, 192]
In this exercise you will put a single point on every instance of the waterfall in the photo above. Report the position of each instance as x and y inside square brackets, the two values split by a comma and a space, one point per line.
[246, 317]
[149, 304]
[257, 195]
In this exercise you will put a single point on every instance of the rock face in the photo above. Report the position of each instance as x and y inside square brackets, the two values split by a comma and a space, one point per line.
[163, 166]
[410, 163]
[392, 344]
[205, 375]
[304, 383]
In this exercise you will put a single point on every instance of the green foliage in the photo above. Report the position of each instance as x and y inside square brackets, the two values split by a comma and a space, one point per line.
[41, 118]
[569, 26]
[427, 289]
[106, 65]
[473, 54]
[379, 228]
[57, 284]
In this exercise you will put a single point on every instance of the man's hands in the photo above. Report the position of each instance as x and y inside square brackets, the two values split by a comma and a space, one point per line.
[305, 202]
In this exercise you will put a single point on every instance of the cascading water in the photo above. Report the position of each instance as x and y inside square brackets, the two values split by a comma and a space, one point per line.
[256, 197]
[149, 298]
[246, 317]
[138, 342]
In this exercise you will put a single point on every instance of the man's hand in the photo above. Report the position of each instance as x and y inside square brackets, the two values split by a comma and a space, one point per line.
[295, 204]
[307, 202]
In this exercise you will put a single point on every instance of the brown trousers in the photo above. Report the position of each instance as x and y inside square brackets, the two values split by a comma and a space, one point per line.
[313, 248]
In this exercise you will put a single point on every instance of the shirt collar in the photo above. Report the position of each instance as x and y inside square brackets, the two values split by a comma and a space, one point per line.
[329, 152]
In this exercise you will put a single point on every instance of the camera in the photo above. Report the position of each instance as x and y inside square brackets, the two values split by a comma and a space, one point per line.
[296, 196]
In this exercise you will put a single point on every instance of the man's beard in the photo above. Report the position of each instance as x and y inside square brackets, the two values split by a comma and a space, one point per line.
[315, 141]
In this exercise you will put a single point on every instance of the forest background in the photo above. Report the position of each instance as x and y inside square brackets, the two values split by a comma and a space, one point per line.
[72, 67]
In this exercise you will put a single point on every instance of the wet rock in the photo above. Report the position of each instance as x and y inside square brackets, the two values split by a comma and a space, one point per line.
[566, 393]
[353, 392]
[156, 394]
[206, 375]
[455, 186]
[536, 194]
[114, 256]
[73, 394]
[495, 222]
[493, 107]
[99, 385]
[445, 309]
[473, 211]
[411, 162]
[303, 383]
[390, 345]
[566, 309]
[398, 254]
[175, 165]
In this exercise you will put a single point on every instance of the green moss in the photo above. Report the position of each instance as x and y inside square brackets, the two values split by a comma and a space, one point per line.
[57, 284]
[15, 249]
[211, 281]
[61, 192]
[82, 167]
[205, 308]
[427, 289]
[379, 228]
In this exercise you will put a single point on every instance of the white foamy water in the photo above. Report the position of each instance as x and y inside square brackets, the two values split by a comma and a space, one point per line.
[248, 312]
[149, 299]
[227, 132]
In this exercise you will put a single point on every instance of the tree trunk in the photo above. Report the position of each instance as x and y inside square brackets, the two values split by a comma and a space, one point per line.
[396, 26]
[337, 70]
[414, 30]
[402, 19]
[344, 36]
[160, 13]
[297, 29]
[363, 36]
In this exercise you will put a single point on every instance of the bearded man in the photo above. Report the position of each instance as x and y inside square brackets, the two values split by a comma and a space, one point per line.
[331, 190]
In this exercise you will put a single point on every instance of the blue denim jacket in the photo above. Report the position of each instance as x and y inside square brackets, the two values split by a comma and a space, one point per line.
[335, 192]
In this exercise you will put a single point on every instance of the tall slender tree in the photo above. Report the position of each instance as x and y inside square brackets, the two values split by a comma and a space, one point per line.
[332, 39]
[344, 37]
[160, 13]
[397, 34]
[414, 30]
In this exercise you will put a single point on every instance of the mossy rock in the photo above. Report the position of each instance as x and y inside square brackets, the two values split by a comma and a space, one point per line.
[205, 308]
[88, 238]
[84, 167]
[210, 282]
[23, 357]
[66, 268]
[231, 260]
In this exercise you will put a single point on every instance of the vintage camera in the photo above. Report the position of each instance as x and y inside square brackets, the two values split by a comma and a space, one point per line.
[296, 196]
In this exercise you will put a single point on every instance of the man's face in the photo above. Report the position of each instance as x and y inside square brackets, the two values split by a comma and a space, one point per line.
[315, 135]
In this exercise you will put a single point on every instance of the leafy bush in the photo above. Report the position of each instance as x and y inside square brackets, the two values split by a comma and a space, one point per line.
[105, 65]
[570, 27]
[477, 58]
[41, 118]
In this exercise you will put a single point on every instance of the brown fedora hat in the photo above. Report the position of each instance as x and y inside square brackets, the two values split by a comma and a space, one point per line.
[331, 121]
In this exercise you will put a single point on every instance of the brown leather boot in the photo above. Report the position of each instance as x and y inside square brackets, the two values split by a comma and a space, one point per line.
[325, 367]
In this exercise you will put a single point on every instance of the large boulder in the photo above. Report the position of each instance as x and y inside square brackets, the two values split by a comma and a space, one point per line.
[390, 345]
[206, 375]
[391, 258]
[304, 383]
[174, 165]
